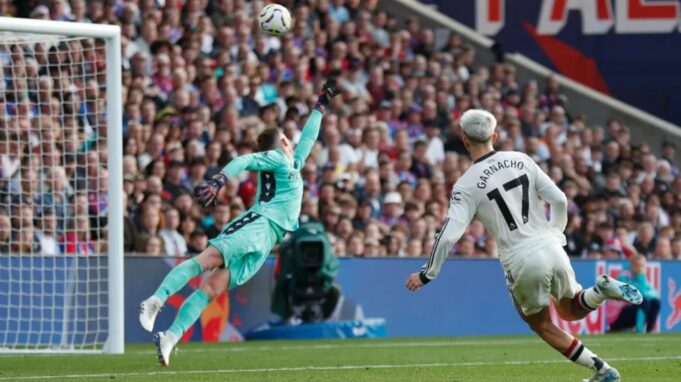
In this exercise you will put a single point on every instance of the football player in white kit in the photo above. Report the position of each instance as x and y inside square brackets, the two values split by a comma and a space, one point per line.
[508, 192]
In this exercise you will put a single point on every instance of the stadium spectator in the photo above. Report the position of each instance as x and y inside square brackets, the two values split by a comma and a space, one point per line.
[220, 217]
[47, 234]
[153, 246]
[173, 242]
[5, 232]
[198, 240]
[355, 246]
[197, 173]
[645, 241]
[77, 239]
[395, 242]
[663, 249]
[151, 218]
[173, 184]
[372, 248]
[25, 241]
[392, 209]
[676, 248]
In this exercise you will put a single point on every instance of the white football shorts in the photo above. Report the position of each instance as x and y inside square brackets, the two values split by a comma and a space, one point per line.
[544, 273]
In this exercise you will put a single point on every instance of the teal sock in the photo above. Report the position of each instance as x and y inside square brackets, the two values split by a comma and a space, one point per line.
[189, 312]
[177, 278]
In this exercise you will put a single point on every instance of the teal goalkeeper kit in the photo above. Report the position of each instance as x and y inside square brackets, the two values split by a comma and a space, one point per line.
[246, 241]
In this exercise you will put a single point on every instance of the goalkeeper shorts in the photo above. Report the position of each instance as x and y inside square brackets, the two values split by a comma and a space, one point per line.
[245, 243]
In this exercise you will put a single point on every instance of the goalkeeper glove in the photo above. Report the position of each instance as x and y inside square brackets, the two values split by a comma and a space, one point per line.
[329, 90]
[208, 191]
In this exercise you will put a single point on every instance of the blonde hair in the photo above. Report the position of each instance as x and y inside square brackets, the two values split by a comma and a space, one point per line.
[478, 125]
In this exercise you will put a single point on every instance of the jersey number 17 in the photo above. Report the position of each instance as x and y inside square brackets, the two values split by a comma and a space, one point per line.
[503, 207]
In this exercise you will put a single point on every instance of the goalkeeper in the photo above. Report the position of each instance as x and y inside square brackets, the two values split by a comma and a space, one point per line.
[240, 250]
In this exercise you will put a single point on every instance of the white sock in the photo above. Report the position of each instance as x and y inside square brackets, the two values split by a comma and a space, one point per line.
[591, 298]
[172, 337]
[579, 354]
[155, 300]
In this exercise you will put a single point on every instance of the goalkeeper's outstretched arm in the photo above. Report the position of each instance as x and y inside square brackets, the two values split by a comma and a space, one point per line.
[308, 137]
[314, 121]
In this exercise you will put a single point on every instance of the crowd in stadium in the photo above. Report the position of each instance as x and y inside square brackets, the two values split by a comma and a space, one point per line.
[200, 82]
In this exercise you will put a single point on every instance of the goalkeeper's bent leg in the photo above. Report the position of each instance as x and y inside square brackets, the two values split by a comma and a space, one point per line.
[179, 276]
[191, 309]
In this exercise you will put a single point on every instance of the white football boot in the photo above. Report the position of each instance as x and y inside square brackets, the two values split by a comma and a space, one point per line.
[617, 290]
[149, 308]
[165, 342]
[611, 375]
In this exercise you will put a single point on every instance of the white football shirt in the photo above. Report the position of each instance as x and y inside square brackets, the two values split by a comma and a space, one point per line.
[507, 192]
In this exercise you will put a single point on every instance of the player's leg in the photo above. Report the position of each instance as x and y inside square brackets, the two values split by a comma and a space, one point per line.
[190, 311]
[531, 283]
[175, 280]
[569, 346]
[219, 253]
[587, 300]
[574, 303]
[245, 252]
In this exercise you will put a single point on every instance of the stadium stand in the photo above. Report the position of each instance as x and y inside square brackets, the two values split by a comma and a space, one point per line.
[201, 82]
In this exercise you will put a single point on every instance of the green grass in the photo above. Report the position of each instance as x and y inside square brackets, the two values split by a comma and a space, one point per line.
[507, 359]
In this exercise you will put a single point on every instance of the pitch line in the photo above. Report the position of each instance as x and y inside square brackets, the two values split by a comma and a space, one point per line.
[406, 344]
[319, 368]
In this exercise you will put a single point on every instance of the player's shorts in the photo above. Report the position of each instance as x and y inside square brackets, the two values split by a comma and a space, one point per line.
[545, 273]
[245, 243]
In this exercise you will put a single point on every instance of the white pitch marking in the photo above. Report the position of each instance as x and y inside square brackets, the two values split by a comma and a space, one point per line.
[320, 368]
[350, 344]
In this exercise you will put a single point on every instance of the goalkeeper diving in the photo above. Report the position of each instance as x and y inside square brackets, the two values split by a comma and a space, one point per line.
[240, 250]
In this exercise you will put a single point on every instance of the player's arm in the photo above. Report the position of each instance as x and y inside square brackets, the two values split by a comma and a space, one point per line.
[462, 207]
[550, 193]
[314, 122]
[263, 161]
[308, 137]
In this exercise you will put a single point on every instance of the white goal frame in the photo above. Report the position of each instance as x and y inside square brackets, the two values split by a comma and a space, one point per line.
[115, 342]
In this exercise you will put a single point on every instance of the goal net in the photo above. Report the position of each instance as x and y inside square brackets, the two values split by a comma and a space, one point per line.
[60, 262]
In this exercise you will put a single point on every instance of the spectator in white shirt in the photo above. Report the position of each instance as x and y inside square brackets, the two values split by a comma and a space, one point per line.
[332, 139]
[175, 245]
[378, 31]
[47, 235]
[370, 147]
[356, 80]
[435, 153]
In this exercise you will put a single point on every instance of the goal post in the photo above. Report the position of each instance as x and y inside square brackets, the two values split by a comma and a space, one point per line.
[72, 300]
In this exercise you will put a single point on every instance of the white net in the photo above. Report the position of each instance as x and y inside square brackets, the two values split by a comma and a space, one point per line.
[53, 193]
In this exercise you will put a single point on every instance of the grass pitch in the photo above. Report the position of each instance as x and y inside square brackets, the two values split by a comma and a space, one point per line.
[645, 358]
